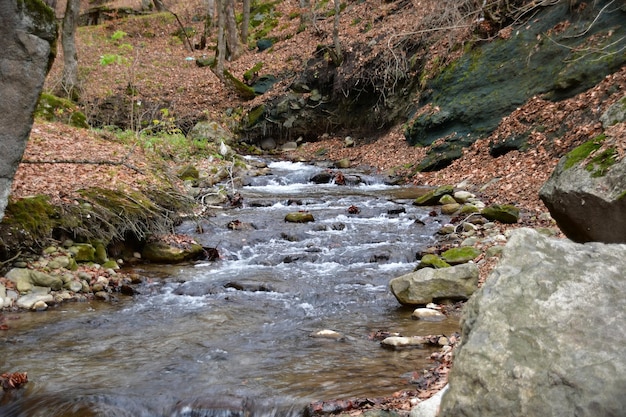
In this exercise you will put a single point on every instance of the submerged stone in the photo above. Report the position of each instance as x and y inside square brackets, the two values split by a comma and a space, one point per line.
[299, 217]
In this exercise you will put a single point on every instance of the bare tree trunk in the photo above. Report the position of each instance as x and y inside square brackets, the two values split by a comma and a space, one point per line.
[339, 54]
[221, 41]
[232, 37]
[69, 81]
[245, 23]
[305, 14]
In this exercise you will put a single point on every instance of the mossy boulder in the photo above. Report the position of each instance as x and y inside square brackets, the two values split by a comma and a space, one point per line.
[427, 285]
[56, 109]
[83, 252]
[188, 173]
[585, 194]
[432, 261]
[432, 197]
[450, 208]
[460, 255]
[447, 199]
[25, 279]
[504, 213]
[299, 217]
[164, 253]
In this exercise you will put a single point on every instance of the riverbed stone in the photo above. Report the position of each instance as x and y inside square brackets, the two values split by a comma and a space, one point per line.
[430, 260]
[160, 252]
[299, 217]
[83, 252]
[447, 199]
[432, 197]
[428, 284]
[460, 255]
[403, 341]
[545, 334]
[21, 278]
[42, 279]
[451, 208]
[504, 213]
[29, 300]
[428, 314]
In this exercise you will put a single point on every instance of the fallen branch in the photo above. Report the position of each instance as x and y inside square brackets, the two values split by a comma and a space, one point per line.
[82, 162]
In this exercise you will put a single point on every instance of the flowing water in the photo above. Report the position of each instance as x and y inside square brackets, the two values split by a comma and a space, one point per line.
[233, 337]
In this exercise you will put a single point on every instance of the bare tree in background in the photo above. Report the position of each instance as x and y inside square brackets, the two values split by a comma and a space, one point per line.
[245, 22]
[305, 12]
[338, 51]
[69, 81]
[234, 48]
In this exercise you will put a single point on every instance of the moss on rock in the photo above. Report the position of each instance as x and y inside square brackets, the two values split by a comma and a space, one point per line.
[432, 197]
[53, 108]
[460, 255]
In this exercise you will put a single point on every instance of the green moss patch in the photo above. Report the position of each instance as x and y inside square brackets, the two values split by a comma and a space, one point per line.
[600, 164]
[56, 109]
[583, 151]
[460, 255]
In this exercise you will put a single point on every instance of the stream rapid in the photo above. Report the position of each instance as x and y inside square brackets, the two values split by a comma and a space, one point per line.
[233, 337]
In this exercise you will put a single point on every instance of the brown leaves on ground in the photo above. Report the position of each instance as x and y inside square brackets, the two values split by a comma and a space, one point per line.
[59, 160]
[13, 380]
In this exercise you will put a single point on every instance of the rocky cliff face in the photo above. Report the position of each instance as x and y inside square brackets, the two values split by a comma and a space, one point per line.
[27, 41]
[544, 335]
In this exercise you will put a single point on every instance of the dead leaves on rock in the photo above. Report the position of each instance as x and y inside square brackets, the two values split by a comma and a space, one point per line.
[13, 380]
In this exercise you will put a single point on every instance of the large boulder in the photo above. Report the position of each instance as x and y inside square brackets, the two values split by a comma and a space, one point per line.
[27, 37]
[586, 194]
[545, 334]
[426, 285]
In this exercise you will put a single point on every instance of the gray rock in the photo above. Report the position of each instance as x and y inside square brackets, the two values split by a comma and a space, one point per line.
[268, 144]
[586, 203]
[289, 146]
[544, 336]
[428, 314]
[616, 113]
[28, 301]
[21, 278]
[425, 285]
[42, 279]
[27, 36]
[211, 132]
[429, 407]
[504, 213]
[168, 254]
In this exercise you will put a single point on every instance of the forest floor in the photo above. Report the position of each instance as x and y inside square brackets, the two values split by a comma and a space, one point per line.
[157, 65]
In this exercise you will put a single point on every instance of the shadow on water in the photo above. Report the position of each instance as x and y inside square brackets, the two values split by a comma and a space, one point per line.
[233, 337]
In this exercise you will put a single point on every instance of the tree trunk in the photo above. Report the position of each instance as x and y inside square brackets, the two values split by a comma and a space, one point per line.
[245, 23]
[305, 13]
[69, 81]
[220, 55]
[339, 54]
[233, 44]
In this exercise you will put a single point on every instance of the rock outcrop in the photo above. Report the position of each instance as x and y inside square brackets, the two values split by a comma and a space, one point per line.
[27, 38]
[586, 193]
[544, 335]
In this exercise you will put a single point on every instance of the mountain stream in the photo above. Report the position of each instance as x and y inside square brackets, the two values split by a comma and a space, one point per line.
[233, 337]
